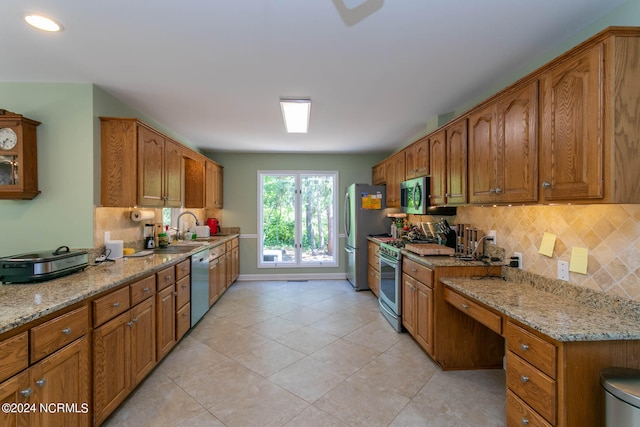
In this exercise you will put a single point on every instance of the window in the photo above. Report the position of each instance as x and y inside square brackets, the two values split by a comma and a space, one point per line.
[297, 222]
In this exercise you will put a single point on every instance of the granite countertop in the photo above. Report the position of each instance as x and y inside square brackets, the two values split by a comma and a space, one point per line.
[558, 317]
[23, 303]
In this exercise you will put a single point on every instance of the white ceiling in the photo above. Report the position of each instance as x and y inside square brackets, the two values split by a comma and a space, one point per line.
[213, 71]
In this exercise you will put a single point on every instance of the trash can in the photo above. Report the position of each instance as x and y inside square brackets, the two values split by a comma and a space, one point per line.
[622, 396]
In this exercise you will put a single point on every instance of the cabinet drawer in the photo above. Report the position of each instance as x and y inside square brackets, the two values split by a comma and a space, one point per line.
[474, 310]
[183, 269]
[142, 289]
[109, 306]
[14, 353]
[531, 348]
[183, 321]
[228, 246]
[58, 332]
[216, 251]
[519, 413]
[183, 291]
[536, 389]
[166, 277]
[419, 272]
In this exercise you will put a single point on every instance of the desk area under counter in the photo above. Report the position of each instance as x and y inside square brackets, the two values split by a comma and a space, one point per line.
[557, 340]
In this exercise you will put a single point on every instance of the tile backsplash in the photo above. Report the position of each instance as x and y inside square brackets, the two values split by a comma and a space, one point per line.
[611, 233]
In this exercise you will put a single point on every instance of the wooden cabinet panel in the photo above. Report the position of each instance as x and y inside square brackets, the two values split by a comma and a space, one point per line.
[424, 316]
[572, 140]
[213, 281]
[172, 174]
[483, 154]
[143, 340]
[13, 355]
[111, 373]
[457, 162]
[58, 332]
[438, 167]
[63, 377]
[183, 320]
[165, 321]
[151, 153]
[183, 269]
[142, 289]
[394, 172]
[408, 304]
[183, 291]
[214, 195]
[533, 349]
[378, 176]
[15, 390]
[473, 310]
[165, 277]
[417, 159]
[110, 305]
[519, 413]
[419, 272]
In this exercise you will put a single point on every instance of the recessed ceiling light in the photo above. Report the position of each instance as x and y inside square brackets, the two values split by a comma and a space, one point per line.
[295, 113]
[43, 23]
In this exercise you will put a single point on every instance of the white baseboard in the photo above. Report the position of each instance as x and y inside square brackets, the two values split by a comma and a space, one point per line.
[293, 276]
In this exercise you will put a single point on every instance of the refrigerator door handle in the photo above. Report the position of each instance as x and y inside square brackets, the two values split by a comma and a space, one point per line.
[349, 250]
[347, 215]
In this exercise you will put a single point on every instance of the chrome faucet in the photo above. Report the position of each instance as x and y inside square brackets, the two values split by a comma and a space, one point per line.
[180, 216]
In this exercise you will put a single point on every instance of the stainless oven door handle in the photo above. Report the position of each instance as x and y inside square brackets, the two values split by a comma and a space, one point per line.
[390, 313]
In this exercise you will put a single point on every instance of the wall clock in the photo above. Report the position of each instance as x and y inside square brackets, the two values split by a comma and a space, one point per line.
[18, 156]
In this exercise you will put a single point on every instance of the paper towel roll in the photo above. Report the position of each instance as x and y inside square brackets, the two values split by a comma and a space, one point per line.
[114, 249]
[142, 215]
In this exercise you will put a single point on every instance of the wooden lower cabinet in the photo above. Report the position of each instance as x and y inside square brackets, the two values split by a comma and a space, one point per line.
[417, 303]
[373, 270]
[62, 377]
[124, 352]
[165, 321]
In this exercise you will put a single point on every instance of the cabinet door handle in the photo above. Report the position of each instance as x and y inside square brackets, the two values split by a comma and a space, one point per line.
[66, 331]
[525, 421]
[135, 320]
[498, 190]
[524, 379]
[41, 382]
[26, 392]
[546, 184]
[524, 347]
[491, 191]
[116, 304]
[465, 306]
[129, 324]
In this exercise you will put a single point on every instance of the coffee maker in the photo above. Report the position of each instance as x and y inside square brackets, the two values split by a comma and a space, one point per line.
[149, 236]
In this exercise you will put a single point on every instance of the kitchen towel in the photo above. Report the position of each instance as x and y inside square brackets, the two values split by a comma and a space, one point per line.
[142, 215]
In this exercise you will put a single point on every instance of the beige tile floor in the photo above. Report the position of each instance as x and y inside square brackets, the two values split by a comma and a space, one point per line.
[306, 354]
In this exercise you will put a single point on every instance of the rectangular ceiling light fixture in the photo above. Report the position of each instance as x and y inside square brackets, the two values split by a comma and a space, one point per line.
[295, 113]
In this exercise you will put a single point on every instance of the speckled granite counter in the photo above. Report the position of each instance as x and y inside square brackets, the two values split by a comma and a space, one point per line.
[447, 261]
[558, 317]
[21, 304]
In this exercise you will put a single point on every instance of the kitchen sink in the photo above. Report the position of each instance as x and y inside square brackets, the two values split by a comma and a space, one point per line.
[175, 249]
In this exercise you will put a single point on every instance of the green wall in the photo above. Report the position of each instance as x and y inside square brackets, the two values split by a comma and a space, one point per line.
[63, 213]
[241, 196]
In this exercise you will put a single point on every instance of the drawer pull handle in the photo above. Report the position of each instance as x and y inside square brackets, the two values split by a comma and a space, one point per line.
[129, 324]
[168, 277]
[524, 347]
[26, 392]
[145, 290]
[465, 306]
[524, 379]
[525, 421]
[116, 304]
[41, 382]
[66, 331]
[185, 314]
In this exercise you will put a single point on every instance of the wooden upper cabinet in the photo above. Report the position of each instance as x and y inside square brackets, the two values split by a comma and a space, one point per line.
[394, 172]
[214, 196]
[139, 166]
[438, 167]
[456, 162]
[417, 159]
[572, 156]
[378, 176]
[503, 154]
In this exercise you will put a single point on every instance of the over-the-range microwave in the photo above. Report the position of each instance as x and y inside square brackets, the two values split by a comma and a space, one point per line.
[415, 198]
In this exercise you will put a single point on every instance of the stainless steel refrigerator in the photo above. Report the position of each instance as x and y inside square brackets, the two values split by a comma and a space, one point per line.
[364, 215]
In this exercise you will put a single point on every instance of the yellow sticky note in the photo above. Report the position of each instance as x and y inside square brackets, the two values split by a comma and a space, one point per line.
[579, 259]
[548, 242]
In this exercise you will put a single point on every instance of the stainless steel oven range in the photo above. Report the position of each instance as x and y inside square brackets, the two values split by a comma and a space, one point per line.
[390, 298]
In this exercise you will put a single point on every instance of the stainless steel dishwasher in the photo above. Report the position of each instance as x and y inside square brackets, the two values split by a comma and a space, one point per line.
[199, 285]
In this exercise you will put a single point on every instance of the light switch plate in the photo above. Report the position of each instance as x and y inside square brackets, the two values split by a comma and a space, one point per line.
[563, 270]
[492, 233]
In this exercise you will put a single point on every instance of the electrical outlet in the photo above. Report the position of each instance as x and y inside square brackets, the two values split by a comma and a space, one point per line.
[492, 233]
[563, 270]
[519, 256]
